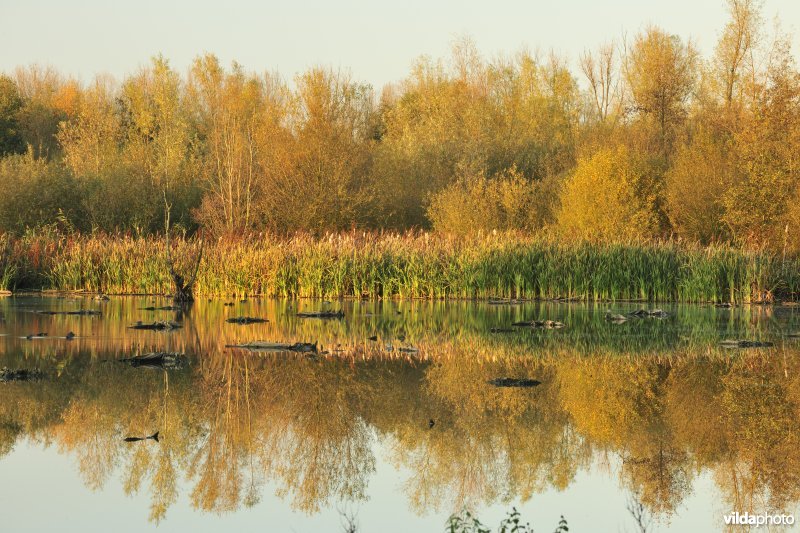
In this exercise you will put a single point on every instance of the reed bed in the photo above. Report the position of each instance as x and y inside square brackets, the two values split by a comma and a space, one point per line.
[412, 265]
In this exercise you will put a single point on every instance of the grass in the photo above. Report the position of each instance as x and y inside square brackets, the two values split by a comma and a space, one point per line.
[413, 265]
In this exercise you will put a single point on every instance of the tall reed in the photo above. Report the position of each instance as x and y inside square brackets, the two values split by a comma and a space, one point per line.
[412, 265]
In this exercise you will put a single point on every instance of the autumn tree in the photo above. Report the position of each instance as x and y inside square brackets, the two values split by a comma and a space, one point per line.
[506, 201]
[241, 122]
[660, 75]
[601, 70]
[157, 141]
[696, 184]
[326, 187]
[756, 205]
[48, 99]
[733, 61]
[92, 138]
[610, 196]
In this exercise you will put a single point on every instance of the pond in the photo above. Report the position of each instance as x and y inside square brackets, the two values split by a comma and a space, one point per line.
[394, 420]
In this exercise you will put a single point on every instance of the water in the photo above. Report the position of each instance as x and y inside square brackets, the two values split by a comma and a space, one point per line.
[649, 418]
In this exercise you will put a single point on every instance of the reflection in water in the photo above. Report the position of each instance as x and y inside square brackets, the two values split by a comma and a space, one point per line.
[659, 394]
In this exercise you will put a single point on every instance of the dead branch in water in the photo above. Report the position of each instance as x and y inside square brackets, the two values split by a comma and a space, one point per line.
[184, 291]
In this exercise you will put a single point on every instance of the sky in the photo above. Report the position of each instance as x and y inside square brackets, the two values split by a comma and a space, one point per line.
[376, 41]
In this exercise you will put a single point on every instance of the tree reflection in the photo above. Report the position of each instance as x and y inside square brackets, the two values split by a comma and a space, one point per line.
[232, 422]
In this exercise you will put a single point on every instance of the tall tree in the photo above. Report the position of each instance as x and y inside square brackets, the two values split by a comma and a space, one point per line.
[660, 71]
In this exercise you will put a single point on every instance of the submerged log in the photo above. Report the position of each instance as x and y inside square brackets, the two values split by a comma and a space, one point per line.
[514, 382]
[261, 346]
[744, 344]
[82, 312]
[156, 360]
[322, 314]
[22, 374]
[246, 320]
[504, 301]
[540, 324]
[612, 317]
[159, 325]
[646, 313]
[408, 349]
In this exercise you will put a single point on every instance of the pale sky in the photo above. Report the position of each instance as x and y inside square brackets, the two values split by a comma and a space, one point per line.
[376, 41]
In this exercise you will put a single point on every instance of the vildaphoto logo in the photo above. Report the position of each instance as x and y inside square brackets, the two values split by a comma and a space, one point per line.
[765, 519]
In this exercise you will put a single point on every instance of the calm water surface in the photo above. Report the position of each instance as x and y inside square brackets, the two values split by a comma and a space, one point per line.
[647, 419]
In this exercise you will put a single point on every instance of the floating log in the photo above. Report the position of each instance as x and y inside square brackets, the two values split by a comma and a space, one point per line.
[744, 344]
[246, 320]
[160, 325]
[322, 314]
[22, 374]
[156, 360]
[540, 324]
[514, 382]
[165, 308]
[5, 293]
[259, 346]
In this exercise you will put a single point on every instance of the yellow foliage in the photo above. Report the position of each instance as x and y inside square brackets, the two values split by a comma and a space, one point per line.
[505, 202]
[608, 197]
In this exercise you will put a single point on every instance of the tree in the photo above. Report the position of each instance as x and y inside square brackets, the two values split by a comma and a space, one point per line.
[47, 99]
[609, 197]
[734, 50]
[157, 138]
[696, 184]
[660, 73]
[326, 188]
[756, 205]
[503, 202]
[240, 119]
[92, 138]
[10, 104]
[601, 72]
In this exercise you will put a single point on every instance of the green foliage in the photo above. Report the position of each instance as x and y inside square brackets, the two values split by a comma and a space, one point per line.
[10, 104]
[36, 193]
[466, 522]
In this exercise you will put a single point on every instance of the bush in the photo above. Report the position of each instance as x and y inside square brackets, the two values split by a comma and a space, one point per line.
[505, 202]
[37, 193]
[609, 197]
